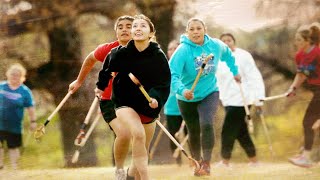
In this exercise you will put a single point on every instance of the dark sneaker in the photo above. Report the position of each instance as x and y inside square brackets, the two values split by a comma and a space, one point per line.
[129, 177]
[204, 169]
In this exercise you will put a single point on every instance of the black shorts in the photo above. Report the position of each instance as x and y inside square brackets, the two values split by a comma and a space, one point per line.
[13, 140]
[107, 110]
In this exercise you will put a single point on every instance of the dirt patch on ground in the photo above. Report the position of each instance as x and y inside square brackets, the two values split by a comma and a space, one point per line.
[272, 171]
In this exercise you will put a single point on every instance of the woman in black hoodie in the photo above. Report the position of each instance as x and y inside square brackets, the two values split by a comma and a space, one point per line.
[147, 62]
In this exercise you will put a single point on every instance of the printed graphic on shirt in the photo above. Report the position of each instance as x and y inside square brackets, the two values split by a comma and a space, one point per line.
[309, 69]
[209, 68]
[10, 95]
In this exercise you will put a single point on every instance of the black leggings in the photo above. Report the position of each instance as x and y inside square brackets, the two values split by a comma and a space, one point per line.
[199, 117]
[235, 128]
[174, 123]
[311, 116]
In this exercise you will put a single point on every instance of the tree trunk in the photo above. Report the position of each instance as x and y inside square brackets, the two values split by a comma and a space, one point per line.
[65, 63]
[161, 13]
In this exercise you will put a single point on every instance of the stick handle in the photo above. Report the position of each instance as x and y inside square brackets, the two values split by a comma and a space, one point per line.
[177, 150]
[244, 101]
[91, 110]
[92, 126]
[181, 129]
[274, 97]
[144, 92]
[59, 106]
[169, 135]
[155, 144]
[246, 108]
[267, 134]
[200, 71]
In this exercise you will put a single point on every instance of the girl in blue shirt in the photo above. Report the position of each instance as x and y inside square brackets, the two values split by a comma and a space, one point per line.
[198, 107]
[14, 98]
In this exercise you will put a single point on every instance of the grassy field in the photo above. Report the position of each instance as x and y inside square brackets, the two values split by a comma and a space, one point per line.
[275, 171]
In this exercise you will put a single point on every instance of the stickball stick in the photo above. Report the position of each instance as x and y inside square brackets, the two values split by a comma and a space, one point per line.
[274, 97]
[82, 132]
[267, 134]
[40, 131]
[76, 154]
[246, 108]
[177, 150]
[156, 142]
[137, 82]
[204, 63]
[192, 161]
[181, 130]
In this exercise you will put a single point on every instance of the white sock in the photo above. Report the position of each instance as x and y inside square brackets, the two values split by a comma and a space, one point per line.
[14, 155]
[306, 154]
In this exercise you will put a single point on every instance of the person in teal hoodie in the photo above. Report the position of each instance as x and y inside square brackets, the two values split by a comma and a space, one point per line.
[198, 107]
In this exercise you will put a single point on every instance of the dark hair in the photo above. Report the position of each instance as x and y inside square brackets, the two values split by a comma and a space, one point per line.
[152, 28]
[195, 19]
[121, 18]
[311, 34]
[142, 16]
[228, 34]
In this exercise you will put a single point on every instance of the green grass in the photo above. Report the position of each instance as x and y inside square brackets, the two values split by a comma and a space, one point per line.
[285, 132]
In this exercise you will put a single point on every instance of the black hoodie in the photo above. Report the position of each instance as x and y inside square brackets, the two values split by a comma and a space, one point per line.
[149, 66]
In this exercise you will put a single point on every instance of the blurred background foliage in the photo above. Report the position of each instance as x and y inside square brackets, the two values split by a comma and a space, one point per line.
[51, 39]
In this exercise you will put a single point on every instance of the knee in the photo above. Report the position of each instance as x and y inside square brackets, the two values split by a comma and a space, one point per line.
[139, 136]
[124, 135]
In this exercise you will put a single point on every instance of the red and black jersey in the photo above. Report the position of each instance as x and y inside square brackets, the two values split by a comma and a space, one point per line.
[100, 53]
[309, 64]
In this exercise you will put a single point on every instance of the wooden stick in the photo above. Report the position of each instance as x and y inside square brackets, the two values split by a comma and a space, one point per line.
[155, 144]
[246, 108]
[192, 161]
[137, 82]
[86, 121]
[204, 63]
[267, 134]
[181, 130]
[76, 154]
[177, 150]
[274, 97]
[40, 131]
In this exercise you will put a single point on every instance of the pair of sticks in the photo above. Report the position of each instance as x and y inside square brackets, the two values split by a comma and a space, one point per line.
[82, 137]
[264, 125]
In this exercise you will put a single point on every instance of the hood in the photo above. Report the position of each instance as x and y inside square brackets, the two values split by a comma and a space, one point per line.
[151, 48]
[185, 39]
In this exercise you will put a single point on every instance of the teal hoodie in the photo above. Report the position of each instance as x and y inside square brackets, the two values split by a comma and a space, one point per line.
[187, 60]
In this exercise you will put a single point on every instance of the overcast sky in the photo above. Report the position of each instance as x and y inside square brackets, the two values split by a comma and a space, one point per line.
[232, 13]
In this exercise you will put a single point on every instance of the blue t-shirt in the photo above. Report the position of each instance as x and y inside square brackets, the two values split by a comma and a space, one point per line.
[12, 104]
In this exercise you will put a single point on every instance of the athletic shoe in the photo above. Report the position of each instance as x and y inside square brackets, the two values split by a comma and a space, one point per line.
[120, 174]
[204, 169]
[301, 161]
[129, 177]
[223, 165]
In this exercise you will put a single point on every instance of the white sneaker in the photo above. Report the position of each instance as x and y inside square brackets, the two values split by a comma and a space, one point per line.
[301, 161]
[223, 165]
[120, 174]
